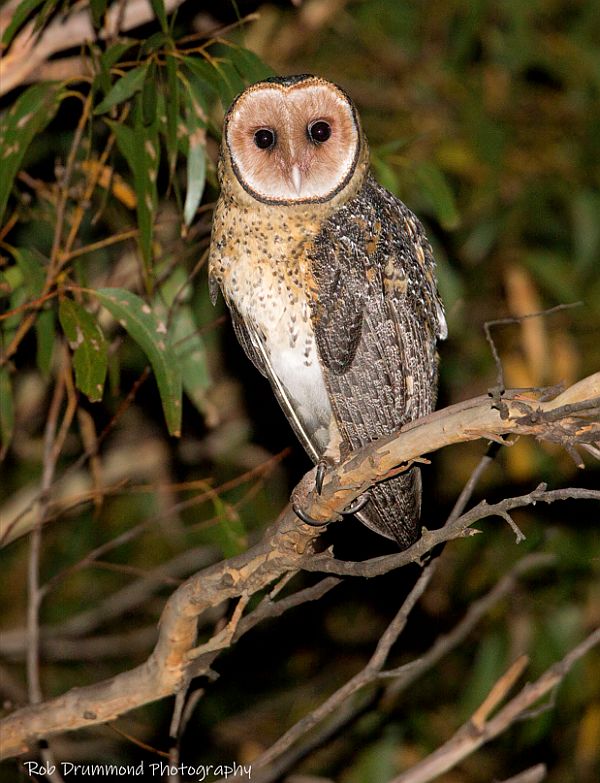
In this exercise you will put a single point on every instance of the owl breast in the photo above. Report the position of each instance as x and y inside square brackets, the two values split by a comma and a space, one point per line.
[263, 276]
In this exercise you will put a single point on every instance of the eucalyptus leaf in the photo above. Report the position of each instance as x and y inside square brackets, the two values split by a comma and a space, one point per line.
[46, 338]
[204, 72]
[123, 89]
[114, 53]
[150, 333]
[88, 345]
[230, 532]
[230, 83]
[436, 190]
[19, 15]
[196, 161]
[172, 109]
[249, 65]
[34, 274]
[141, 148]
[29, 115]
[7, 414]
[158, 6]
[191, 354]
[97, 7]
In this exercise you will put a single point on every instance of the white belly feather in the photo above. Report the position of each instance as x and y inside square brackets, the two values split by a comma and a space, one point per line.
[289, 345]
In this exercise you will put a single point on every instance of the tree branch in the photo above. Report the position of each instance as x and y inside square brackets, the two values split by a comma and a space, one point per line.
[289, 546]
[477, 732]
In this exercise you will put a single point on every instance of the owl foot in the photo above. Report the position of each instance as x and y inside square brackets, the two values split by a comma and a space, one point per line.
[306, 518]
[321, 471]
[353, 508]
[356, 505]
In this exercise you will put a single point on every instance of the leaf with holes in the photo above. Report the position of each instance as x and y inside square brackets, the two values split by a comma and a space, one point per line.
[88, 345]
[150, 333]
[29, 115]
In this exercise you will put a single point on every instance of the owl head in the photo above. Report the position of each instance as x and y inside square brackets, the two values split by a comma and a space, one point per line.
[293, 140]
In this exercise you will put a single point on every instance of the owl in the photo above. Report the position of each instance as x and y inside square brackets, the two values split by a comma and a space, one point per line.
[330, 282]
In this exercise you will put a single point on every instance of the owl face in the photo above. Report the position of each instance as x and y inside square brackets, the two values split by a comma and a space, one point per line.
[293, 140]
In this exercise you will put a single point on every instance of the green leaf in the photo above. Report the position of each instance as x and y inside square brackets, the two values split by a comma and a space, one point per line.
[34, 274]
[230, 532]
[191, 353]
[230, 84]
[158, 7]
[205, 73]
[90, 356]
[585, 208]
[123, 88]
[7, 414]
[386, 174]
[45, 336]
[97, 7]
[250, 67]
[150, 333]
[141, 148]
[19, 16]
[156, 42]
[149, 104]
[196, 162]
[436, 190]
[114, 53]
[30, 114]
[172, 107]
[196, 176]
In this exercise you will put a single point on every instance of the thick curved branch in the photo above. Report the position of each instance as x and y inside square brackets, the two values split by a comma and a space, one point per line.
[571, 418]
[289, 545]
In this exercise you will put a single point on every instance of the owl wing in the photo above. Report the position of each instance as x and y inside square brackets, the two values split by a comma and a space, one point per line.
[376, 320]
[252, 342]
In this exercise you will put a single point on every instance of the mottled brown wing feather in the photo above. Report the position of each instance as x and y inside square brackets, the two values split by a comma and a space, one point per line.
[380, 368]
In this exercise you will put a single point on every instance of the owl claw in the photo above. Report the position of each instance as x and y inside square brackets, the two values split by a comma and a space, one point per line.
[308, 520]
[321, 470]
[356, 505]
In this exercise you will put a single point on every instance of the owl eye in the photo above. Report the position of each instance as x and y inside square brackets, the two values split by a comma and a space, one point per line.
[265, 138]
[319, 131]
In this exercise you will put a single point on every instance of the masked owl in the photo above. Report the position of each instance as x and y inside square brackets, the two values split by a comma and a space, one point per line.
[329, 279]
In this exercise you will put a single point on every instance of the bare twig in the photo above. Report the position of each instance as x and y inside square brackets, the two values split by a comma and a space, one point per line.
[472, 735]
[532, 775]
[366, 676]
[35, 593]
[516, 319]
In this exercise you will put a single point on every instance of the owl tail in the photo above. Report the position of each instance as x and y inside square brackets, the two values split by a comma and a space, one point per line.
[394, 508]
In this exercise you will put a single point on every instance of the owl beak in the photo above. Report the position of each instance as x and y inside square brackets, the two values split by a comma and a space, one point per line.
[296, 179]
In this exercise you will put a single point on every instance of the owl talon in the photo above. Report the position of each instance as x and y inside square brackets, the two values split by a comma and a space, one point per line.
[308, 520]
[321, 470]
[356, 505]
